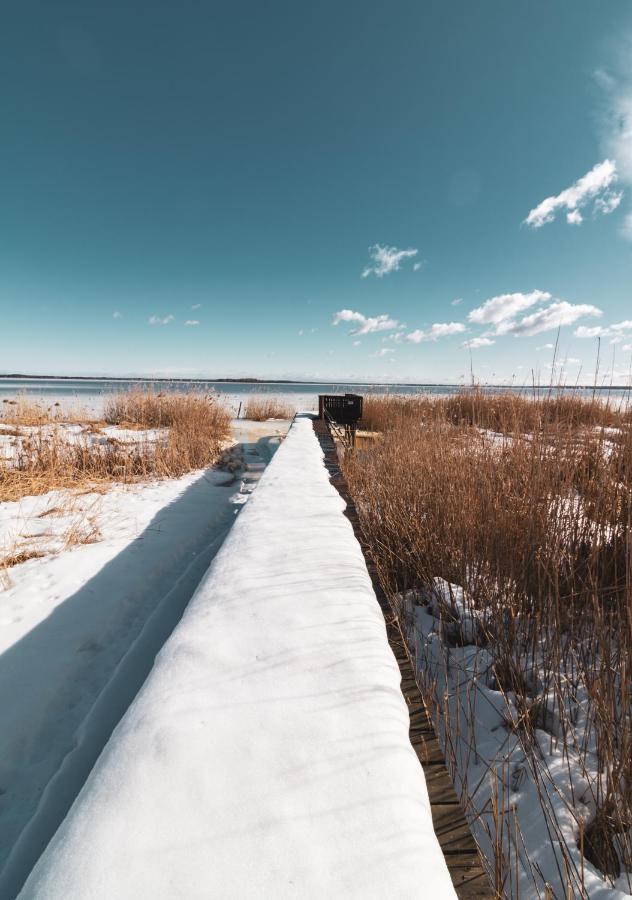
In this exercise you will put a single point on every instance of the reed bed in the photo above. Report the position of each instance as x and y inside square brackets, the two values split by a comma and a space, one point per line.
[24, 411]
[517, 545]
[189, 432]
[260, 408]
[503, 412]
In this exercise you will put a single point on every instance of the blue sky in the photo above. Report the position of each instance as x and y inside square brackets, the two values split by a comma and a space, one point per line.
[243, 165]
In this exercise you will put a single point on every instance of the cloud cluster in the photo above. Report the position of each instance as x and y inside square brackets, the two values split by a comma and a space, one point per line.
[438, 330]
[505, 306]
[503, 313]
[616, 331]
[617, 115]
[616, 119]
[365, 324]
[387, 259]
[595, 185]
[554, 316]
[160, 320]
[476, 342]
[192, 322]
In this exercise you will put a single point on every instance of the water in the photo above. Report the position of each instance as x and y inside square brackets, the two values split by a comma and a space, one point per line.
[89, 393]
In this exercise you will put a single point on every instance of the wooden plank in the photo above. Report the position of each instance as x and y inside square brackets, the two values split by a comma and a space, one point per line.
[452, 830]
[453, 833]
[440, 786]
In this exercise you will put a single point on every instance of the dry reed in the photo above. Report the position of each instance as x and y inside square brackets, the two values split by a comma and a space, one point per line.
[24, 411]
[534, 522]
[260, 408]
[503, 412]
[192, 431]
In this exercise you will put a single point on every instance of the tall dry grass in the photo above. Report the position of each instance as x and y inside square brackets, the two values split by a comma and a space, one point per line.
[503, 412]
[24, 411]
[535, 526]
[261, 407]
[192, 429]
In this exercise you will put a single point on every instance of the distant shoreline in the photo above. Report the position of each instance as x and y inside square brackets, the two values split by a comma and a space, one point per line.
[262, 381]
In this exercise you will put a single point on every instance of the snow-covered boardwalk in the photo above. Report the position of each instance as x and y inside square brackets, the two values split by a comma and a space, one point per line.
[267, 754]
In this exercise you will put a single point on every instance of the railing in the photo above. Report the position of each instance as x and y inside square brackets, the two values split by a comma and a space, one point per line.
[346, 434]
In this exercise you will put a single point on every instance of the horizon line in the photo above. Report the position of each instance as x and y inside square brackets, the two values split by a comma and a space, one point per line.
[332, 381]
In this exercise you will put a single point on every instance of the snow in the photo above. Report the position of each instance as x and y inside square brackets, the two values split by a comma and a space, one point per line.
[80, 627]
[544, 796]
[14, 437]
[267, 753]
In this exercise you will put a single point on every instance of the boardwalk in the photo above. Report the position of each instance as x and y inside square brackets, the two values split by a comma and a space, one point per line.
[267, 754]
[455, 838]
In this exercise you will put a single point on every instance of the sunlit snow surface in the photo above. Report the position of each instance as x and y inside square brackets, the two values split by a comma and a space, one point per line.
[490, 762]
[267, 754]
[80, 626]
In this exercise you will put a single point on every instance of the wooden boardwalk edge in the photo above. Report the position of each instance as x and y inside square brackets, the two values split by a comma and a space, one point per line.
[453, 832]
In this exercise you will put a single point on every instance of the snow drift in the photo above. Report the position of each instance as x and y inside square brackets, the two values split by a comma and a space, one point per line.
[267, 754]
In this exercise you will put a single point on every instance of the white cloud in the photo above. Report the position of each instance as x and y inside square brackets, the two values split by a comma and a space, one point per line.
[117, 315]
[158, 320]
[417, 266]
[594, 185]
[357, 343]
[546, 347]
[192, 322]
[366, 324]
[439, 329]
[197, 306]
[608, 203]
[501, 312]
[506, 306]
[474, 343]
[457, 301]
[554, 316]
[386, 260]
[384, 351]
[588, 332]
[616, 118]
[616, 330]
[627, 347]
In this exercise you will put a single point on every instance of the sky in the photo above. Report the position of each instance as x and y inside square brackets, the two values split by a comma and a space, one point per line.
[416, 192]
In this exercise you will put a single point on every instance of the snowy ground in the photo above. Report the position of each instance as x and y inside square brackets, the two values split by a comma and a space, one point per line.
[13, 438]
[80, 626]
[475, 725]
[267, 753]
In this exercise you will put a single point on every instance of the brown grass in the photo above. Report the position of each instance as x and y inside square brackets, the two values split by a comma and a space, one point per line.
[536, 527]
[25, 411]
[147, 409]
[261, 408]
[21, 556]
[503, 412]
[195, 429]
